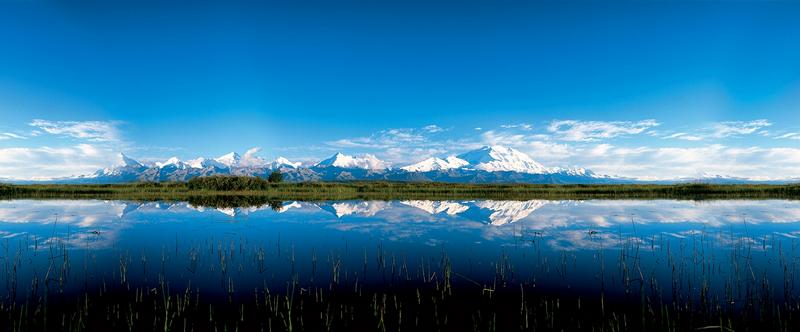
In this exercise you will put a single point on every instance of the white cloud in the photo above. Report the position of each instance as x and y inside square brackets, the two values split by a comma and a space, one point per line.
[536, 145]
[250, 159]
[684, 136]
[493, 137]
[250, 153]
[724, 129]
[99, 131]
[732, 128]
[789, 136]
[4, 136]
[384, 139]
[675, 162]
[584, 131]
[400, 145]
[433, 129]
[562, 143]
[656, 163]
[521, 126]
[47, 162]
[403, 146]
[89, 150]
[575, 143]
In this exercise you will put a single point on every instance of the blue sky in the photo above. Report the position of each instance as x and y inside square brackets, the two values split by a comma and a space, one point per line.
[636, 89]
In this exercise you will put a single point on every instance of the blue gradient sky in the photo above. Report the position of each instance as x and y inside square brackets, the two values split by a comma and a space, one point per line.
[304, 79]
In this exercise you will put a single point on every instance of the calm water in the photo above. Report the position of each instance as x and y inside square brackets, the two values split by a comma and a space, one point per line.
[727, 249]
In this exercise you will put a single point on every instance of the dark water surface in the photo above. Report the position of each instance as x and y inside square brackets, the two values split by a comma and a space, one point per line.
[559, 242]
[729, 253]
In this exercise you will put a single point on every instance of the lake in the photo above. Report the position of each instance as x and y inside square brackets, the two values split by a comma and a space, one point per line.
[597, 262]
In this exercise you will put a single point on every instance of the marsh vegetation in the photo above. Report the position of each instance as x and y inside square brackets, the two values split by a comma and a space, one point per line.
[277, 190]
[317, 269]
[312, 291]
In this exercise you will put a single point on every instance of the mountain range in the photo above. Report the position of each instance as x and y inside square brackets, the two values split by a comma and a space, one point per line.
[490, 212]
[488, 164]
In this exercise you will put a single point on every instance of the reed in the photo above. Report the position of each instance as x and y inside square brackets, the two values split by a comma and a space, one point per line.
[237, 284]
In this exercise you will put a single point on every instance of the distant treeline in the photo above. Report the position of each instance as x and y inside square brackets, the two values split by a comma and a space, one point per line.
[264, 190]
[232, 183]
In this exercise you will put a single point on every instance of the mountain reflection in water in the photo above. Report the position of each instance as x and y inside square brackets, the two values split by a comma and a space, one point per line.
[564, 224]
[657, 252]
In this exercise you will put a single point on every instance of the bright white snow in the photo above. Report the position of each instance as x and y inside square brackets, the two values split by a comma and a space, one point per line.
[436, 164]
[230, 160]
[341, 160]
[434, 207]
[283, 162]
[174, 161]
[506, 212]
[499, 158]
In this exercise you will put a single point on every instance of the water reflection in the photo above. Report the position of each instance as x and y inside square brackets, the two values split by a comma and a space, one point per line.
[569, 247]
[563, 225]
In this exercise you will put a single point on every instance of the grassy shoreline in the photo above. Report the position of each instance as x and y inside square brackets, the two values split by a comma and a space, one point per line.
[401, 190]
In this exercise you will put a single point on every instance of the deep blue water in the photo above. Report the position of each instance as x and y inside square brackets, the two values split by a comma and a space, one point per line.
[728, 249]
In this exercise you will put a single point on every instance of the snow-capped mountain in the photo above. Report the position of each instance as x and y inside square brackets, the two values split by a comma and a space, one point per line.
[124, 168]
[204, 162]
[288, 206]
[436, 164]
[490, 164]
[341, 160]
[574, 171]
[173, 162]
[506, 212]
[502, 159]
[706, 177]
[229, 160]
[360, 208]
[126, 161]
[436, 207]
[281, 162]
[495, 159]
[491, 212]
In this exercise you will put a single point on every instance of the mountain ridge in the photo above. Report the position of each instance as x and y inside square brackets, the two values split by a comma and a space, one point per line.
[488, 164]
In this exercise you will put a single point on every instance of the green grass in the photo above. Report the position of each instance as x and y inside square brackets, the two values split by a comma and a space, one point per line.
[397, 190]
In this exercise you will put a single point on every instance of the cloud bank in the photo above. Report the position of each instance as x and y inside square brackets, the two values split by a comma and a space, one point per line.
[632, 149]
[99, 131]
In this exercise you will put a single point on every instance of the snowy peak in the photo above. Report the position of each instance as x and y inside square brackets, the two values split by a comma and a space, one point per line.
[506, 212]
[229, 160]
[341, 160]
[707, 175]
[500, 212]
[124, 164]
[197, 162]
[286, 207]
[711, 178]
[490, 164]
[488, 158]
[125, 161]
[436, 164]
[283, 162]
[573, 171]
[493, 159]
[203, 163]
[336, 160]
[436, 207]
[174, 162]
[363, 208]
[499, 158]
